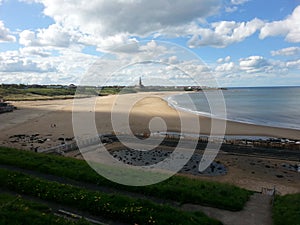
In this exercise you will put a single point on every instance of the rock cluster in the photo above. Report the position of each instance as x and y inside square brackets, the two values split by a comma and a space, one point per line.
[148, 158]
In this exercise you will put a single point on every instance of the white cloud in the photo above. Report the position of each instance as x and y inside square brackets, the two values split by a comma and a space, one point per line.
[234, 5]
[293, 64]
[220, 60]
[5, 35]
[226, 59]
[34, 78]
[30, 1]
[225, 33]
[290, 27]
[107, 24]
[11, 61]
[25, 66]
[253, 64]
[154, 59]
[134, 17]
[35, 51]
[253, 67]
[239, 2]
[54, 35]
[27, 38]
[173, 60]
[117, 42]
[286, 51]
[226, 67]
[231, 9]
[113, 23]
[121, 23]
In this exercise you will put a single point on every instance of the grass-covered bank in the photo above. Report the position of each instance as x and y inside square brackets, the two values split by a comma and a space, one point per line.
[19, 93]
[286, 210]
[176, 188]
[43, 92]
[109, 206]
[17, 211]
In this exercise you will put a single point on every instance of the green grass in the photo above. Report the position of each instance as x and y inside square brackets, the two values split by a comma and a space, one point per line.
[115, 90]
[16, 211]
[286, 210]
[20, 93]
[177, 188]
[37, 91]
[50, 91]
[16, 94]
[110, 206]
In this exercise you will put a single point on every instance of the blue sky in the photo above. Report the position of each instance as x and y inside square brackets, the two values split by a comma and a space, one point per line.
[241, 42]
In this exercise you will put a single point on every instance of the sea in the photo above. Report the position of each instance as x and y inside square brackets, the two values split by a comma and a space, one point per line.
[271, 106]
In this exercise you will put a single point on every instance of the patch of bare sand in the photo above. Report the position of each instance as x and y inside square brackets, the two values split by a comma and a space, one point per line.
[255, 173]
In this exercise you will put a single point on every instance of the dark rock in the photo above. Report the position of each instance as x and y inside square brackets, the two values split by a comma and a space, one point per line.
[70, 139]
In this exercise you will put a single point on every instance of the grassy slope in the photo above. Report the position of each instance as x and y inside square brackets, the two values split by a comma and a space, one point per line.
[17, 211]
[110, 206]
[286, 210]
[16, 94]
[176, 188]
[21, 94]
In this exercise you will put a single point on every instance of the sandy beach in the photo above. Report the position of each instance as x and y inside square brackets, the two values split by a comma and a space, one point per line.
[43, 124]
[38, 116]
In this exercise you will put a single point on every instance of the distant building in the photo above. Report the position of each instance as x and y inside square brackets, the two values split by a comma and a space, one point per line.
[72, 86]
[140, 85]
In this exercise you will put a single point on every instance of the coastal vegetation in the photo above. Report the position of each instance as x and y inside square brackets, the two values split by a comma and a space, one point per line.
[15, 93]
[286, 209]
[109, 206]
[25, 173]
[177, 188]
[43, 92]
[22, 92]
[18, 211]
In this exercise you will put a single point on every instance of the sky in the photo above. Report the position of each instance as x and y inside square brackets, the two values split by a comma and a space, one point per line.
[233, 42]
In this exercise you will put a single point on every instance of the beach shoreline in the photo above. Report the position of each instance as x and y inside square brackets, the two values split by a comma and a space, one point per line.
[40, 125]
[37, 117]
[264, 133]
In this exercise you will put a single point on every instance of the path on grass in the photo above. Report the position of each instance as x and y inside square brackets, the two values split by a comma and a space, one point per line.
[257, 211]
[88, 186]
[56, 207]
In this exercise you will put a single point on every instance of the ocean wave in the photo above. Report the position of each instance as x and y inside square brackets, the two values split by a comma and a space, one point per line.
[174, 102]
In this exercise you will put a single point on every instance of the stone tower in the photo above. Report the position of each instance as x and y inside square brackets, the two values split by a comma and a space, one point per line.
[140, 83]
